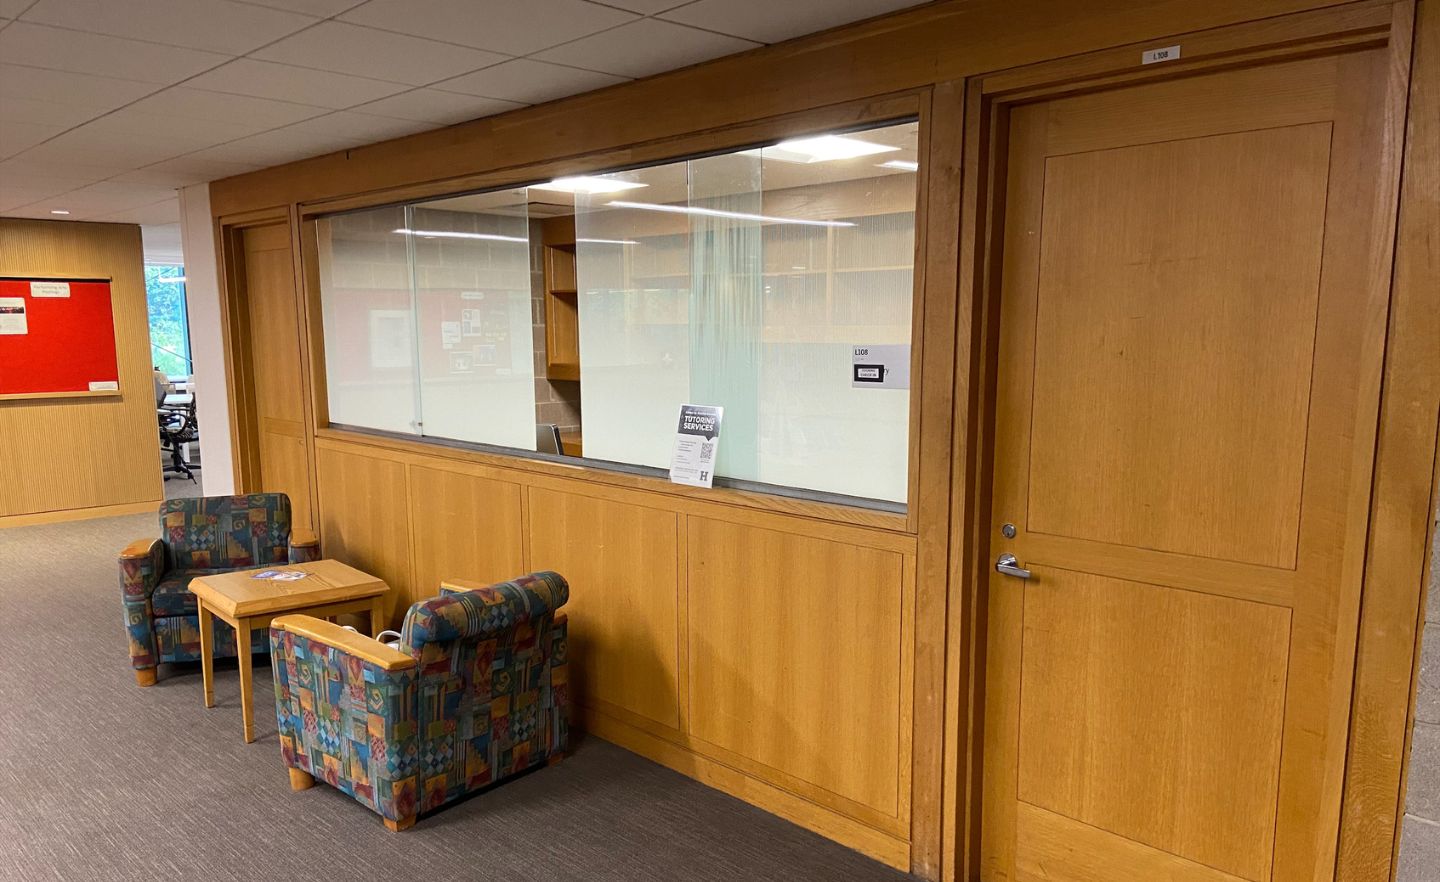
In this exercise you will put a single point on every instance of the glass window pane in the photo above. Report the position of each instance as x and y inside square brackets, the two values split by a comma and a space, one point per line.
[365, 286]
[169, 330]
[633, 271]
[746, 280]
[474, 318]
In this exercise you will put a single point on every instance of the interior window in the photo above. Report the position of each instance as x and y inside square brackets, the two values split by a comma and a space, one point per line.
[575, 316]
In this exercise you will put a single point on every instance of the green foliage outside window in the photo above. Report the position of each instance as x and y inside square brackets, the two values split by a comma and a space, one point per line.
[169, 330]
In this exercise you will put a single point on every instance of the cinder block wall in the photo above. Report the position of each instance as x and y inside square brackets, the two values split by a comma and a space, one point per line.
[1420, 837]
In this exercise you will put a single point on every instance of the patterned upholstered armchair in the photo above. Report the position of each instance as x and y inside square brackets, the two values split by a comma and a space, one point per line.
[199, 536]
[476, 692]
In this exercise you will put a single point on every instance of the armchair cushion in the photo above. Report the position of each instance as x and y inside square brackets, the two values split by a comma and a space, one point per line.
[172, 596]
[475, 610]
[227, 532]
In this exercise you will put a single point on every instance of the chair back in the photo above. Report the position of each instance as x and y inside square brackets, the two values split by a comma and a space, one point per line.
[226, 532]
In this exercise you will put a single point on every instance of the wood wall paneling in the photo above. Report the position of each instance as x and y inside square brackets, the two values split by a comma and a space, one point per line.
[70, 455]
[463, 527]
[621, 562]
[801, 672]
[365, 521]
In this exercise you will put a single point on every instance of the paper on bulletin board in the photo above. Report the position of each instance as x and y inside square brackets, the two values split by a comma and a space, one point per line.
[49, 289]
[12, 316]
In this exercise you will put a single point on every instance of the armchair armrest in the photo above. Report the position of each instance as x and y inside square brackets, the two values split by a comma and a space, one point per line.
[333, 687]
[142, 563]
[304, 545]
[367, 649]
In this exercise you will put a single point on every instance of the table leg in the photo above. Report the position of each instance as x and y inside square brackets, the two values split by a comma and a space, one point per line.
[377, 616]
[207, 650]
[242, 655]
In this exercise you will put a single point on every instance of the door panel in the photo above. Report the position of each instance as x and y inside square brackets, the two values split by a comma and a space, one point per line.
[1192, 305]
[276, 367]
[1153, 348]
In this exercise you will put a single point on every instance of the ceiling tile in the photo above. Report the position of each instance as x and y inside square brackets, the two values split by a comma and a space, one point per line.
[321, 8]
[435, 106]
[263, 113]
[68, 88]
[25, 110]
[355, 129]
[87, 146]
[513, 28]
[158, 213]
[273, 148]
[186, 133]
[58, 49]
[352, 49]
[215, 25]
[647, 7]
[183, 171]
[105, 198]
[284, 82]
[16, 197]
[771, 22]
[645, 47]
[529, 81]
[24, 168]
[18, 136]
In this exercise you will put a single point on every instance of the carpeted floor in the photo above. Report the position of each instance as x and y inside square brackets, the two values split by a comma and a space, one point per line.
[102, 780]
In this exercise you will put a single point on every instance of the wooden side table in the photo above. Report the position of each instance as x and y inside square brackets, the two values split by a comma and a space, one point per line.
[330, 588]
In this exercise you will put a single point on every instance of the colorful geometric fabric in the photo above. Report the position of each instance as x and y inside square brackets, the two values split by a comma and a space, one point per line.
[489, 698]
[226, 532]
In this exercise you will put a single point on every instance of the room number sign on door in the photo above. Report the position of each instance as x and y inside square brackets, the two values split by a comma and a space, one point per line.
[1152, 56]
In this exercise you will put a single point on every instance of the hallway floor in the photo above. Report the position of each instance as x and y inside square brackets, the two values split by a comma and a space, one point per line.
[103, 780]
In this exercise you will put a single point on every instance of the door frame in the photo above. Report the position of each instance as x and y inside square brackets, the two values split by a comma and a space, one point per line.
[1367, 827]
[239, 346]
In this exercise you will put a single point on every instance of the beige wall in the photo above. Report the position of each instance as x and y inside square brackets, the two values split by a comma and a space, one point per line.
[82, 456]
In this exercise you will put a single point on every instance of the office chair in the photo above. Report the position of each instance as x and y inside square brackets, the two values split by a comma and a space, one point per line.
[178, 427]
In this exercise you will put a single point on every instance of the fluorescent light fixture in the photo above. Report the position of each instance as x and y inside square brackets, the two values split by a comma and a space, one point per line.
[738, 215]
[58, 211]
[608, 241]
[902, 164]
[824, 148]
[447, 234]
[588, 185]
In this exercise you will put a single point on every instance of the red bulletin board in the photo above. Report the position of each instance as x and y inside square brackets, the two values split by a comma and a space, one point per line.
[57, 338]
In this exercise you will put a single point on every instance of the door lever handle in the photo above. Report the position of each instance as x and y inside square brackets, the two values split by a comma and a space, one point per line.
[1007, 564]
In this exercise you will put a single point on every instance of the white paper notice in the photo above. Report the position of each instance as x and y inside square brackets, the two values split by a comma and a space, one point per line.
[12, 316]
[49, 289]
[104, 386]
[697, 445]
[449, 334]
[886, 366]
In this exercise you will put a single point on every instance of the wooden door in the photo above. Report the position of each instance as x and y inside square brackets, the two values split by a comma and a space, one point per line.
[276, 368]
[1193, 291]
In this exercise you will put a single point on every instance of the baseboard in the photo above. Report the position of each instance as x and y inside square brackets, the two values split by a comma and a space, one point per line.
[80, 514]
[832, 825]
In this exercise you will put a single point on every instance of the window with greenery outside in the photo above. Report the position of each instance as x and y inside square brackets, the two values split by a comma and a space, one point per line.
[169, 330]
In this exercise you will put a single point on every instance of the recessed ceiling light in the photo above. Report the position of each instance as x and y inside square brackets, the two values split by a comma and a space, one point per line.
[902, 164]
[824, 148]
[447, 234]
[58, 211]
[587, 185]
[738, 215]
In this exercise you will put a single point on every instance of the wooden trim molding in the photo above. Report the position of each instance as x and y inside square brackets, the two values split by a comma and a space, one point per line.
[1404, 493]
[149, 506]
